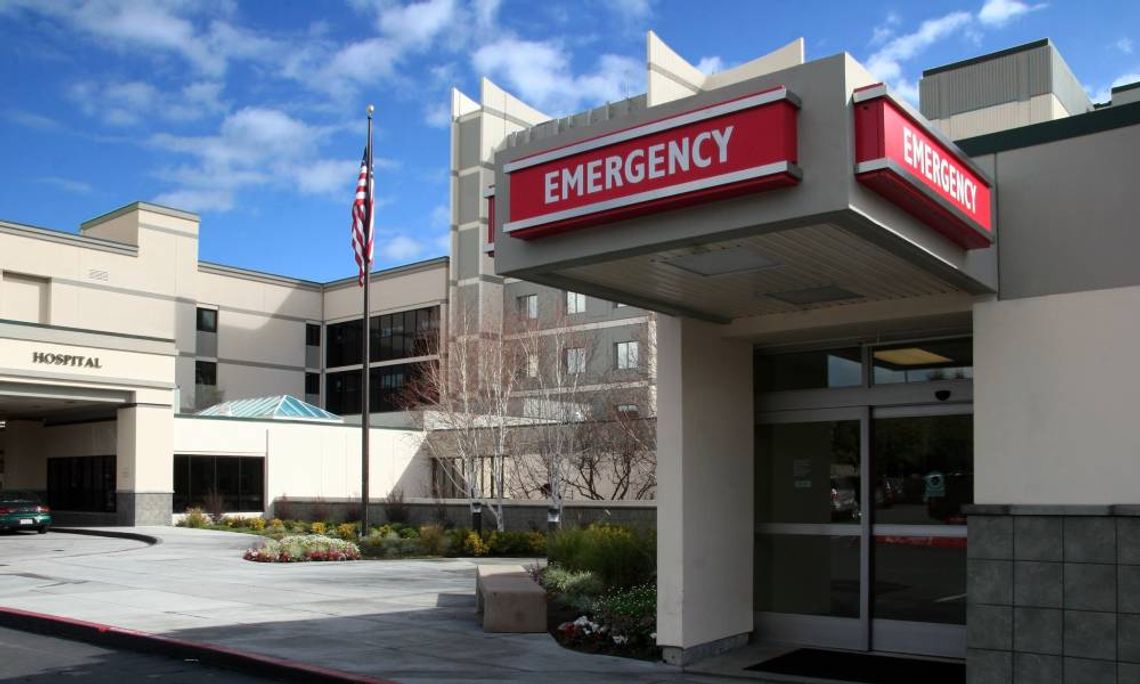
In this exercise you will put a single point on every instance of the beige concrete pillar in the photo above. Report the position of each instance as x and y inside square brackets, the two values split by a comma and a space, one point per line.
[704, 490]
[25, 463]
[145, 465]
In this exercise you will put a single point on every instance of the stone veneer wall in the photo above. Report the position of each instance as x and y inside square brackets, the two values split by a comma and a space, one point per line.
[1053, 594]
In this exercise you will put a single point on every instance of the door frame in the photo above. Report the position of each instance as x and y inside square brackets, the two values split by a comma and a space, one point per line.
[864, 403]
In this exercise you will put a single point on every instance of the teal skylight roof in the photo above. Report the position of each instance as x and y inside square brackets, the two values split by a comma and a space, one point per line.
[283, 407]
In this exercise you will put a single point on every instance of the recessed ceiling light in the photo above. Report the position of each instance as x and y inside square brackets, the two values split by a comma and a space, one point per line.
[722, 261]
[911, 356]
[814, 295]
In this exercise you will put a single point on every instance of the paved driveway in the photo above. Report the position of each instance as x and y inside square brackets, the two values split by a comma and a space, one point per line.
[411, 621]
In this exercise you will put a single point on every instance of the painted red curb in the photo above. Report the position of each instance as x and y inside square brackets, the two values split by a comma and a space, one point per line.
[109, 635]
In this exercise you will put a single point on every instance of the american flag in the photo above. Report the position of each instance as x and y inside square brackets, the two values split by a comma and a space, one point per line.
[362, 218]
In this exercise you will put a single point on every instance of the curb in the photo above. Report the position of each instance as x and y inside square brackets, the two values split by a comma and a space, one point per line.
[114, 534]
[153, 644]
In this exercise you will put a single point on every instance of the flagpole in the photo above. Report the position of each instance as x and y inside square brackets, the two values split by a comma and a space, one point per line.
[365, 402]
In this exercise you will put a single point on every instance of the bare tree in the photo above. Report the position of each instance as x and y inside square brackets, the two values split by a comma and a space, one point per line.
[467, 412]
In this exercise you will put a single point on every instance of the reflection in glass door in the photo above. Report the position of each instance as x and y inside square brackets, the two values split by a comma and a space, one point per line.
[922, 458]
[809, 528]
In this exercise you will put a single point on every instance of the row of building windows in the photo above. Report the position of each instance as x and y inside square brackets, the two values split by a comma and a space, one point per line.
[401, 335]
[526, 306]
[627, 356]
[390, 388]
[393, 336]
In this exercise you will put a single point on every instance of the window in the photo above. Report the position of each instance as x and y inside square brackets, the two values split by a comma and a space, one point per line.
[239, 480]
[205, 373]
[627, 411]
[312, 335]
[627, 355]
[388, 387]
[393, 336]
[532, 365]
[575, 359]
[575, 302]
[312, 384]
[809, 370]
[527, 306]
[208, 320]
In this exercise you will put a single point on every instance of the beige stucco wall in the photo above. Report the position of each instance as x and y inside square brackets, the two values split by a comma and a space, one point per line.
[405, 288]
[1044, 107]
[1055, 387]
[312, 460]
[705, 462]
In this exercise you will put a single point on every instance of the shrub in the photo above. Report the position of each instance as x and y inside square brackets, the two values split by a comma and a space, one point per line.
[196, 518]
[395, 508]
[257, 524]
[576, 589]
[303, 548]
[276, 525]
[347, 531]
[297, 527]
[433, 541]
[621, 556]
[473, 545]
[317, 528]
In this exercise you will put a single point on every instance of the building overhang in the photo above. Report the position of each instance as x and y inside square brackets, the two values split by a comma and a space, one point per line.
[783, 193]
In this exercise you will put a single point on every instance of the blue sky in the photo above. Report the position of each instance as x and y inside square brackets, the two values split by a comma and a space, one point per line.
[252, 113]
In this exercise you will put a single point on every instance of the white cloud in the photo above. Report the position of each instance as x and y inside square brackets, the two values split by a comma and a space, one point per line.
[399, 247]
[539, 72]
[1105, 94]
[438, 115]
[886, 63]
[190, 30]
[710, 65]
[128, 103]
[631, 9]
[886, 29]
[417, 24]
[1124, 45]
[68, 184]
[997, 13]
[253, 147]
[197, 200]
[441, 216]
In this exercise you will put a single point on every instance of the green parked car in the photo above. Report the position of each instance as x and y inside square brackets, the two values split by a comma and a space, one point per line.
[22, 510]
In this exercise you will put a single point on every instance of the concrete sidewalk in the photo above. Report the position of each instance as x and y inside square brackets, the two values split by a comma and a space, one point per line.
[410, 621]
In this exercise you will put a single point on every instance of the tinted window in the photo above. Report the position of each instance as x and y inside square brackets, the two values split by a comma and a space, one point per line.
[809, 370]
[389, 387]
[82, 483]
[208, 320]
[312, 383]
[205, 373]
[312, 335]
[240, 481]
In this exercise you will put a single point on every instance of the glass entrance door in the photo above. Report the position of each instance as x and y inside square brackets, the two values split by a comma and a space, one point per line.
[810, 528]
[922, 458]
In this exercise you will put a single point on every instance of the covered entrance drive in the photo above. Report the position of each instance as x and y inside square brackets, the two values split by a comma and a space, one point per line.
[87, 422]
[864, 459]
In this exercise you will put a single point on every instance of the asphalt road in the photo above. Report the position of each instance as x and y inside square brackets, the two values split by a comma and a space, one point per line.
[26, 657]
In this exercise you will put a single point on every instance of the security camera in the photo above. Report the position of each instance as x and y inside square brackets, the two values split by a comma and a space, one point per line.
[942, 395]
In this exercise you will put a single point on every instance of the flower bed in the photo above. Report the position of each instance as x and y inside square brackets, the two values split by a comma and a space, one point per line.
[602, 591]
[300, 548]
